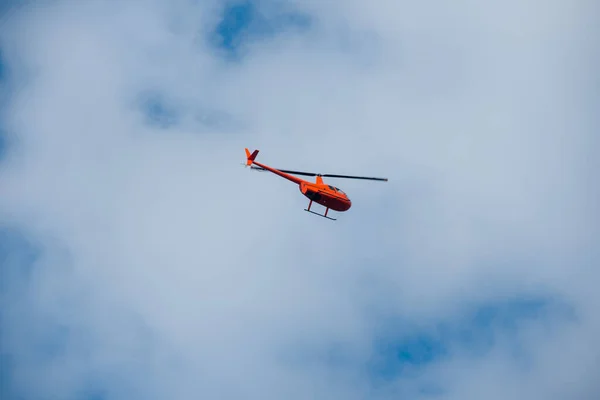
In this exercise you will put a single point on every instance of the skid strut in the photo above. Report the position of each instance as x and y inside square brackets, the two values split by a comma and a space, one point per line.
[320, 215]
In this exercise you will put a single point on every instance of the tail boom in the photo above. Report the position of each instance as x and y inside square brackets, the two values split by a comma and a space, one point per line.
[250, 157]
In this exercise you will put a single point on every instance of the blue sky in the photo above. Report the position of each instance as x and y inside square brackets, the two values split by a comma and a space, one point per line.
[243, 22]
[403, 344]
[3, 73]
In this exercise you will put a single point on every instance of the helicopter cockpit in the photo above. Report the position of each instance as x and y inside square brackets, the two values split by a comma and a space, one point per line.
[336, 189]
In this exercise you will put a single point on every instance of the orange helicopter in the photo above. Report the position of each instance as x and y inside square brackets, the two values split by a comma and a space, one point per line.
[321, 193]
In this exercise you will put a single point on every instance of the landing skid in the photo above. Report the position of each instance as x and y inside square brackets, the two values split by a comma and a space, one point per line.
[320, 215]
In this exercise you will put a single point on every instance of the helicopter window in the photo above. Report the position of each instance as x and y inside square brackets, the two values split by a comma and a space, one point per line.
[336, 189]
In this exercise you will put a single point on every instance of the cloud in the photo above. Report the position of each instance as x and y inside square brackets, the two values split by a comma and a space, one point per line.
[140, 260]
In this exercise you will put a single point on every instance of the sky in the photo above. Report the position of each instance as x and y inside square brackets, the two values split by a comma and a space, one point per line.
[141, 260]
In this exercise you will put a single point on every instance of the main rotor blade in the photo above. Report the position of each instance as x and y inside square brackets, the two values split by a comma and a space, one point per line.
[354, 177]
[324, 175]
[287, 171]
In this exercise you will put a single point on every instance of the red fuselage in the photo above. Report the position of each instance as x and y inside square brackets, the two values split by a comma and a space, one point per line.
[326, 195]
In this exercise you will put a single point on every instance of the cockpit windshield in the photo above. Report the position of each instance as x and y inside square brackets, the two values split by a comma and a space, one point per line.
[336, 189]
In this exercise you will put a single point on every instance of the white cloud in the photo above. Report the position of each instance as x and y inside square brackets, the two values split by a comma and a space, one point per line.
[183, 274]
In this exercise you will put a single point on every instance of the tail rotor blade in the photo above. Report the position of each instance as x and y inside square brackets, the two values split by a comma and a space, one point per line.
[257, 168]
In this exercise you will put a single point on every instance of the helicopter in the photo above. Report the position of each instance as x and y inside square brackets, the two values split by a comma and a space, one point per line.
[319, 192]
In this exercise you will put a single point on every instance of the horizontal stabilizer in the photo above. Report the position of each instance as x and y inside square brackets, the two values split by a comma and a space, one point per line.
[250, 157]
